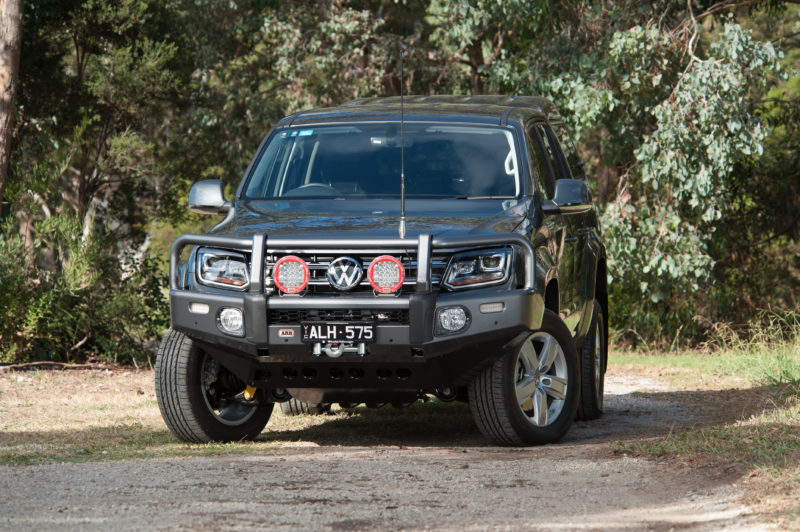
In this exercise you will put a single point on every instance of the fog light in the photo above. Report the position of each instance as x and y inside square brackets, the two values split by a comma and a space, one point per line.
[231, 321]
[452, 319]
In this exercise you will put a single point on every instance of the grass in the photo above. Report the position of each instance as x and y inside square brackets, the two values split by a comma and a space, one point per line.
[121, 442]
[52, 417]
[776, 364]
[750, 386]
[768, 353]
[766, 441]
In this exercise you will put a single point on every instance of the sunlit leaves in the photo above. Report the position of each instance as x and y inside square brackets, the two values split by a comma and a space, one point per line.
[677, 189]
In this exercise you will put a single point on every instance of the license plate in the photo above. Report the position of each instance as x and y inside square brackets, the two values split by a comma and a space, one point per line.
[338, 332]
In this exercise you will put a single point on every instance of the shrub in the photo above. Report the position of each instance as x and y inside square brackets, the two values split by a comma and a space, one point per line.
[70, 300]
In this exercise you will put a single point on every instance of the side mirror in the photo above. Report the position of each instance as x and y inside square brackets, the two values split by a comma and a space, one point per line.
[208, 197]
[571, 197]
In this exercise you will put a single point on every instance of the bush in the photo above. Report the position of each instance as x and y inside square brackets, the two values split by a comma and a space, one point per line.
[70, 300]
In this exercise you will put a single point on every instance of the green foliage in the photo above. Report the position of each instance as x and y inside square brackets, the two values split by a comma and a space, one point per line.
[684, 118]
[660, 228]
[670, 115]
[82, 306]
[98, 83]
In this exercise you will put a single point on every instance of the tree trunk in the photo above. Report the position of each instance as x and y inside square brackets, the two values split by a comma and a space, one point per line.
[10, 44]
[475, 54]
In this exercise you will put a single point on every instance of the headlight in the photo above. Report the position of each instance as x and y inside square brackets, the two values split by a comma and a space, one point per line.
[226, 269]
[478, 268]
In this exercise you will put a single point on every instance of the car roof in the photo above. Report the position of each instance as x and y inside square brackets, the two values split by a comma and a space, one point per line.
[478, 109]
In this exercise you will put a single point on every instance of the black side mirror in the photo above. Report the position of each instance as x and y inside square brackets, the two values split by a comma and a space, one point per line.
[208, 197]
[571, 197]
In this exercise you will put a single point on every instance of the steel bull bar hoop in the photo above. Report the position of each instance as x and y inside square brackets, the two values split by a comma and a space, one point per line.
[254, 245]
[258, 245]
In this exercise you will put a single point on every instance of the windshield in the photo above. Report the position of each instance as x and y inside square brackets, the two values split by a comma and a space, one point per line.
[441, 161]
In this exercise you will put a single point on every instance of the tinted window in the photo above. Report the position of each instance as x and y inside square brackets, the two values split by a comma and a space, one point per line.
[364, 160]
[554, 155]
[541, 180]
[548, 161]
[571, 154]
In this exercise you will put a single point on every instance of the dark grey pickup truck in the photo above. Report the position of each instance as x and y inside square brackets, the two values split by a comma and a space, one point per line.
[382, 251]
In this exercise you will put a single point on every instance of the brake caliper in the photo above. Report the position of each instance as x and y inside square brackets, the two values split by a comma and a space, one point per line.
[249, 393]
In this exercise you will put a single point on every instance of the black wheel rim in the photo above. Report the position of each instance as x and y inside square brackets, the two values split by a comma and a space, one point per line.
[220, 390]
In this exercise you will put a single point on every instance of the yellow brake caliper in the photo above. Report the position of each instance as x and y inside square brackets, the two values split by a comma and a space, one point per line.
[249, 393]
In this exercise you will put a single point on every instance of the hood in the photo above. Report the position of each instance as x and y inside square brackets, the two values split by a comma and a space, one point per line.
[373, 217]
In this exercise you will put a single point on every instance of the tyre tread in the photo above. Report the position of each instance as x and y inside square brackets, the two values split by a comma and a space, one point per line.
[293, 407]
[588, 409]
[172, 388]
[486, 400]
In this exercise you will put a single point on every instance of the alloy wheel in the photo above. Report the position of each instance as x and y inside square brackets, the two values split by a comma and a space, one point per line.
[541, 379]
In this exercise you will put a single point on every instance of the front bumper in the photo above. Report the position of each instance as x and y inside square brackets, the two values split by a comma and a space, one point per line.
[403, 356]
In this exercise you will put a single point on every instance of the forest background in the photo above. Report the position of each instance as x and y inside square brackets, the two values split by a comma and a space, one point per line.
[687, 115]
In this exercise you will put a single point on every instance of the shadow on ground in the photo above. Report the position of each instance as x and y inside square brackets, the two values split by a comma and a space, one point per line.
[628, 417]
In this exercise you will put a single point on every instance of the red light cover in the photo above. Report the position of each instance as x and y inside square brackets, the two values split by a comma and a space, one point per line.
[385, 287]
[289, 286]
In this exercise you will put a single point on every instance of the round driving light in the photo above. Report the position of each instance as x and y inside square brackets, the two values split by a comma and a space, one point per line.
[231, 321]
[386, 274]
[452, 319]
[290, 274]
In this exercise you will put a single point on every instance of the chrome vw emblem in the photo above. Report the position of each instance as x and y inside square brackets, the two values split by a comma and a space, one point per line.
[345, 273]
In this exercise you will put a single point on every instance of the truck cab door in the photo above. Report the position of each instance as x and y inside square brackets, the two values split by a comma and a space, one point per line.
[571, 234]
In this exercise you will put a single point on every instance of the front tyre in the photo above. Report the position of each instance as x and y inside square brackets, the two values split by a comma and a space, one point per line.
[529, 396]
[199, 399]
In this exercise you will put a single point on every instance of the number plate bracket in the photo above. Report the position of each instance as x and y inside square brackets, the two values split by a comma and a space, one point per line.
[336, 332]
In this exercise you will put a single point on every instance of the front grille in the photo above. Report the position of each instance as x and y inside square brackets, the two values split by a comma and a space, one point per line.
[380, 317]
[318, 267]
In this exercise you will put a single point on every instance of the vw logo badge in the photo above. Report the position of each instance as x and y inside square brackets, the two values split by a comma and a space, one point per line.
[345, 273]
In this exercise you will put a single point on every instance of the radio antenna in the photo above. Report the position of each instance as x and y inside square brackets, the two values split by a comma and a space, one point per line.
[402, 228]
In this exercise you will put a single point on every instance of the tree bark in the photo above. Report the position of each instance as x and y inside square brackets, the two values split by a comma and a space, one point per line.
[475, 54]
[10, 44]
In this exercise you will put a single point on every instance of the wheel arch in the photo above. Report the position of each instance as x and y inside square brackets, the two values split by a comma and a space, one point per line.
[551, 296]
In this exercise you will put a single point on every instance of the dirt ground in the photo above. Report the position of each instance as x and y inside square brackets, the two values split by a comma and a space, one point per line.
[422, 468]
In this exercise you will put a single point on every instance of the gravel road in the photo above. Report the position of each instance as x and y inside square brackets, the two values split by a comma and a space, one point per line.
[425, 485]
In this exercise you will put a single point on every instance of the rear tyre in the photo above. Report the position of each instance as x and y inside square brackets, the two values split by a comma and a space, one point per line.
[293, 407]
[529, 396]
[200, 400]
[593, 367]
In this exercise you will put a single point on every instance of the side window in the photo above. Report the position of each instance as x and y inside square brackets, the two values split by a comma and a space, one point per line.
[557, 161]
[552, 160]
[573, 160]
[540, 167]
